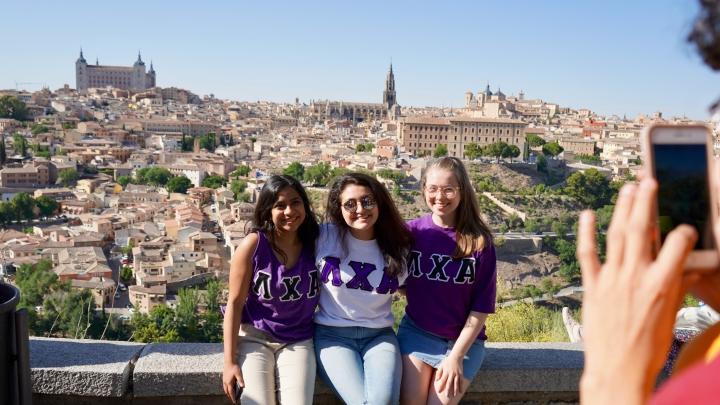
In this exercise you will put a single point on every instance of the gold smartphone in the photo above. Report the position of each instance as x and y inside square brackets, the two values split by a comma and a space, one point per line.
[680, 158]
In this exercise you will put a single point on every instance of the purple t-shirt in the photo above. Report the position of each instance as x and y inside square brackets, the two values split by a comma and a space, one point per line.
[441, 291]
[282, 301]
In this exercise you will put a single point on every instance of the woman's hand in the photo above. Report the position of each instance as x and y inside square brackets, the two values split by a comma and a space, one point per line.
[449, 375]
[629, 302]
[231, 374]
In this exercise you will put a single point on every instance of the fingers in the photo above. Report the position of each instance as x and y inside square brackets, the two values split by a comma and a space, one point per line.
[616, 232]
[229, 391]
[638, 245]
[456, 386]
[440, 380]
[587, 249]
[677, 246]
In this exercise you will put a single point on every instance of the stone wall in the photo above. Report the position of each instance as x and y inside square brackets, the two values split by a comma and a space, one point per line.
[92, 372]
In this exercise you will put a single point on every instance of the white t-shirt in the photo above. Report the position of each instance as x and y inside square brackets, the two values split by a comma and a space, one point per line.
[355, 291]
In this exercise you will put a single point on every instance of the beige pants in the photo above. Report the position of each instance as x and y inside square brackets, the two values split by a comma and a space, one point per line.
[275, 372]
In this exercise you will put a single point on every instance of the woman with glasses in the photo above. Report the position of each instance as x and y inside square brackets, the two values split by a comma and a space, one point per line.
[361, 255]
[450, 290]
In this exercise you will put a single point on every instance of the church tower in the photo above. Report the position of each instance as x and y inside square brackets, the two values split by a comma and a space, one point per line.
[138, 77]
[389, 99]
[150, 79]
[81, 73]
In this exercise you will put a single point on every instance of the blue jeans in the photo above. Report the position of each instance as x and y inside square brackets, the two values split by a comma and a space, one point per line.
[362, 365]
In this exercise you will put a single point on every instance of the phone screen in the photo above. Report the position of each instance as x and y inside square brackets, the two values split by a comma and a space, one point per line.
[683, 197]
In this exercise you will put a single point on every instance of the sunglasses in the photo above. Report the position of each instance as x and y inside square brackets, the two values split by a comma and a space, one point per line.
[367, 203]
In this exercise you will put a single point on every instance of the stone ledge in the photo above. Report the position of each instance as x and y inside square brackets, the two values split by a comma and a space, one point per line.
[99, 372]
[82, 367]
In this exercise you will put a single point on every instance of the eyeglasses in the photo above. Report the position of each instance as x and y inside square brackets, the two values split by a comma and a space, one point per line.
[447, 191]
[367, 203]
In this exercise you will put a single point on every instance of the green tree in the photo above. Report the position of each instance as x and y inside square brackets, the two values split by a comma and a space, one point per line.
[154, 176]
[212, 318]
[157, 326]
[3, 153]
[243, 197]
[364, 147]
[68, 177]
[39, 129]
[7, 214]
[512, 151]
[542, 164]
[440, 151]
[214, 181]
[126, 273]
[535, 141]
[589, 159]
[158, 176]
[496, 150]
[552, 149]
[238, 187]
[591, 188]
[473, 151]
[124, 180]
[20, 144]
[186, 313]
[34, 281]
[178, 184]
[24, 206]
[186, 144]
[241, 170]
[532, 226]
[46, 205]
[395, 175]
[317, 175]
[12, 107]
[207, 142]
[295, 169]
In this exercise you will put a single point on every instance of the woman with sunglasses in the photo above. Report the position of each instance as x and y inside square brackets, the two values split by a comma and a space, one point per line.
[361, 255]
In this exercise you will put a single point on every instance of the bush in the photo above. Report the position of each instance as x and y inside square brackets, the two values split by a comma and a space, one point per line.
[525, 323]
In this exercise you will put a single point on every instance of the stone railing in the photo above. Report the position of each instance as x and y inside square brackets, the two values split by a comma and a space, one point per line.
[92, 372]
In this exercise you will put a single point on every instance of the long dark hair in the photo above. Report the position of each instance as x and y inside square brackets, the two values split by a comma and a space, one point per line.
[472, 233]
[262, 217]
[391, 233]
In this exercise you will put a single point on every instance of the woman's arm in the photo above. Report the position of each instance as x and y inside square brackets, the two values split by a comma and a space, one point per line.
[450, 371]
[240, 278]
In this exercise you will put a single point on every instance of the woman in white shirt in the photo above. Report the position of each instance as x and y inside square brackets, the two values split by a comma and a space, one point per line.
[360, 256]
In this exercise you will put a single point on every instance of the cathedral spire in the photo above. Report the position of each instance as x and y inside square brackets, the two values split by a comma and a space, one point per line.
[389, 98]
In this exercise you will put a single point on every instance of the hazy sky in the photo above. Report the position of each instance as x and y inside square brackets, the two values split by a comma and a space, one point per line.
[614, 57]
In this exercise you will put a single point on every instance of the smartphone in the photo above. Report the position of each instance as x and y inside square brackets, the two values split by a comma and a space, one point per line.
[238, 392]
[680, 158]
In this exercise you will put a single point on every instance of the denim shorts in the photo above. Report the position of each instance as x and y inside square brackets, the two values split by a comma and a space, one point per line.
[432, 349]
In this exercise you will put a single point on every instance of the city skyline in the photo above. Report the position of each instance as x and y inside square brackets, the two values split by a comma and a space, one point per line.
[613, 58]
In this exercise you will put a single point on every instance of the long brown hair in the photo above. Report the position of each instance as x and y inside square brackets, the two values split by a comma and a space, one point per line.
[391, 233]
[472, 233]
[262, 217]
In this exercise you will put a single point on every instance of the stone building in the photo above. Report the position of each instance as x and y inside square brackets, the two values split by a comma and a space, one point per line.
[421, 135]
[358, 112]
[122, 77]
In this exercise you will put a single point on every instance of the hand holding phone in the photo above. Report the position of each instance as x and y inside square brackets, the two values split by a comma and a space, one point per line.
[680, 158]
